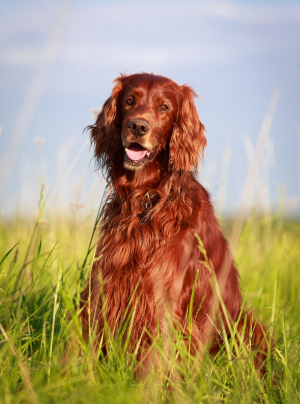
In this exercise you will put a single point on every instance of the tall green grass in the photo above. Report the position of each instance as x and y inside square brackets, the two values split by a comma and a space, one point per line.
[44, 263]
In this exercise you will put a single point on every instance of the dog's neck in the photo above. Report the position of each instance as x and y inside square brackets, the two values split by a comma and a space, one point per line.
[149, 177]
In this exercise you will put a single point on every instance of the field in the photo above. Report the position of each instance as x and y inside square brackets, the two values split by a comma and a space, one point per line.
[44, 262]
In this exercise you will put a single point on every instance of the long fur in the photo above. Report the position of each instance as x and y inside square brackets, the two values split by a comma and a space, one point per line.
[152, 263]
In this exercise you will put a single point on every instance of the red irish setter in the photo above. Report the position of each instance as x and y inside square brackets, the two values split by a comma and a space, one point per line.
[148, 139]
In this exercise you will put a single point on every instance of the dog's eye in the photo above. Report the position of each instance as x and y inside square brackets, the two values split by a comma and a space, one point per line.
[129, 101]
[163, 108]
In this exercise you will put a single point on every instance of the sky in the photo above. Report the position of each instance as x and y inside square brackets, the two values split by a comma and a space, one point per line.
[57, 63]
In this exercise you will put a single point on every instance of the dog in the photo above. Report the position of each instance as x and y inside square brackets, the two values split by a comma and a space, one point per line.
[160, 244]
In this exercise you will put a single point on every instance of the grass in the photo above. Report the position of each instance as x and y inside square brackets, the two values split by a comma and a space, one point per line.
[43, 267]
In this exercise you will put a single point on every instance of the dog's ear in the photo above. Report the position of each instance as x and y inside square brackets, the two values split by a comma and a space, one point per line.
[187, 141]
[105, 133]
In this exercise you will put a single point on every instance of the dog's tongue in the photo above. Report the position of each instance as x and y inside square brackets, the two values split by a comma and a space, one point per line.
[136, 155]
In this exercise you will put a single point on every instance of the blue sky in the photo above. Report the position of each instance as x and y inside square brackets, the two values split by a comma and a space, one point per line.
[58, 60]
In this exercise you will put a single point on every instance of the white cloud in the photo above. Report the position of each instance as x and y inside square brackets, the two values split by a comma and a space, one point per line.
[163, 34]
[115, 55]
[132, 11]
[155, 35]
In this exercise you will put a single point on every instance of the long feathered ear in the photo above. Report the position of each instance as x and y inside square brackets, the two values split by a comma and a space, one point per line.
[105, 133]
[187, 141]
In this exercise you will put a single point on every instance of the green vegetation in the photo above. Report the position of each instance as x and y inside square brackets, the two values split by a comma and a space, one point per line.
[43, 267]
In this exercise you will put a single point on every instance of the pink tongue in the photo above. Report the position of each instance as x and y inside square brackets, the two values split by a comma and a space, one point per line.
[135, 155]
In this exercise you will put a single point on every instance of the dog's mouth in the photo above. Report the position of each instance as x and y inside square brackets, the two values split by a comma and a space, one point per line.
[136, 156]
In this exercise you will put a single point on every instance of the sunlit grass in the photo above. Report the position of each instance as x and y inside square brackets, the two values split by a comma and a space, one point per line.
[44, 263]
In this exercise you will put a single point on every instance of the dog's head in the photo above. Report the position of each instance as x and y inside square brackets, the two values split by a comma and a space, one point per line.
[148, 117]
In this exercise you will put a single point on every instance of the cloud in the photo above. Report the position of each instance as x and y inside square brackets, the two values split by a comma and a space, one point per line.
[205, 33]
[111, 55]
[154, 34]
[135, 11]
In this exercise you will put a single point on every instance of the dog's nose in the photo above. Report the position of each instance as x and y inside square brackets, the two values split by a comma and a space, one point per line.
[138, 127]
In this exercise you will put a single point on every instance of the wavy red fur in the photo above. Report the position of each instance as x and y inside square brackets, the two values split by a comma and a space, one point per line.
[153, 251]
